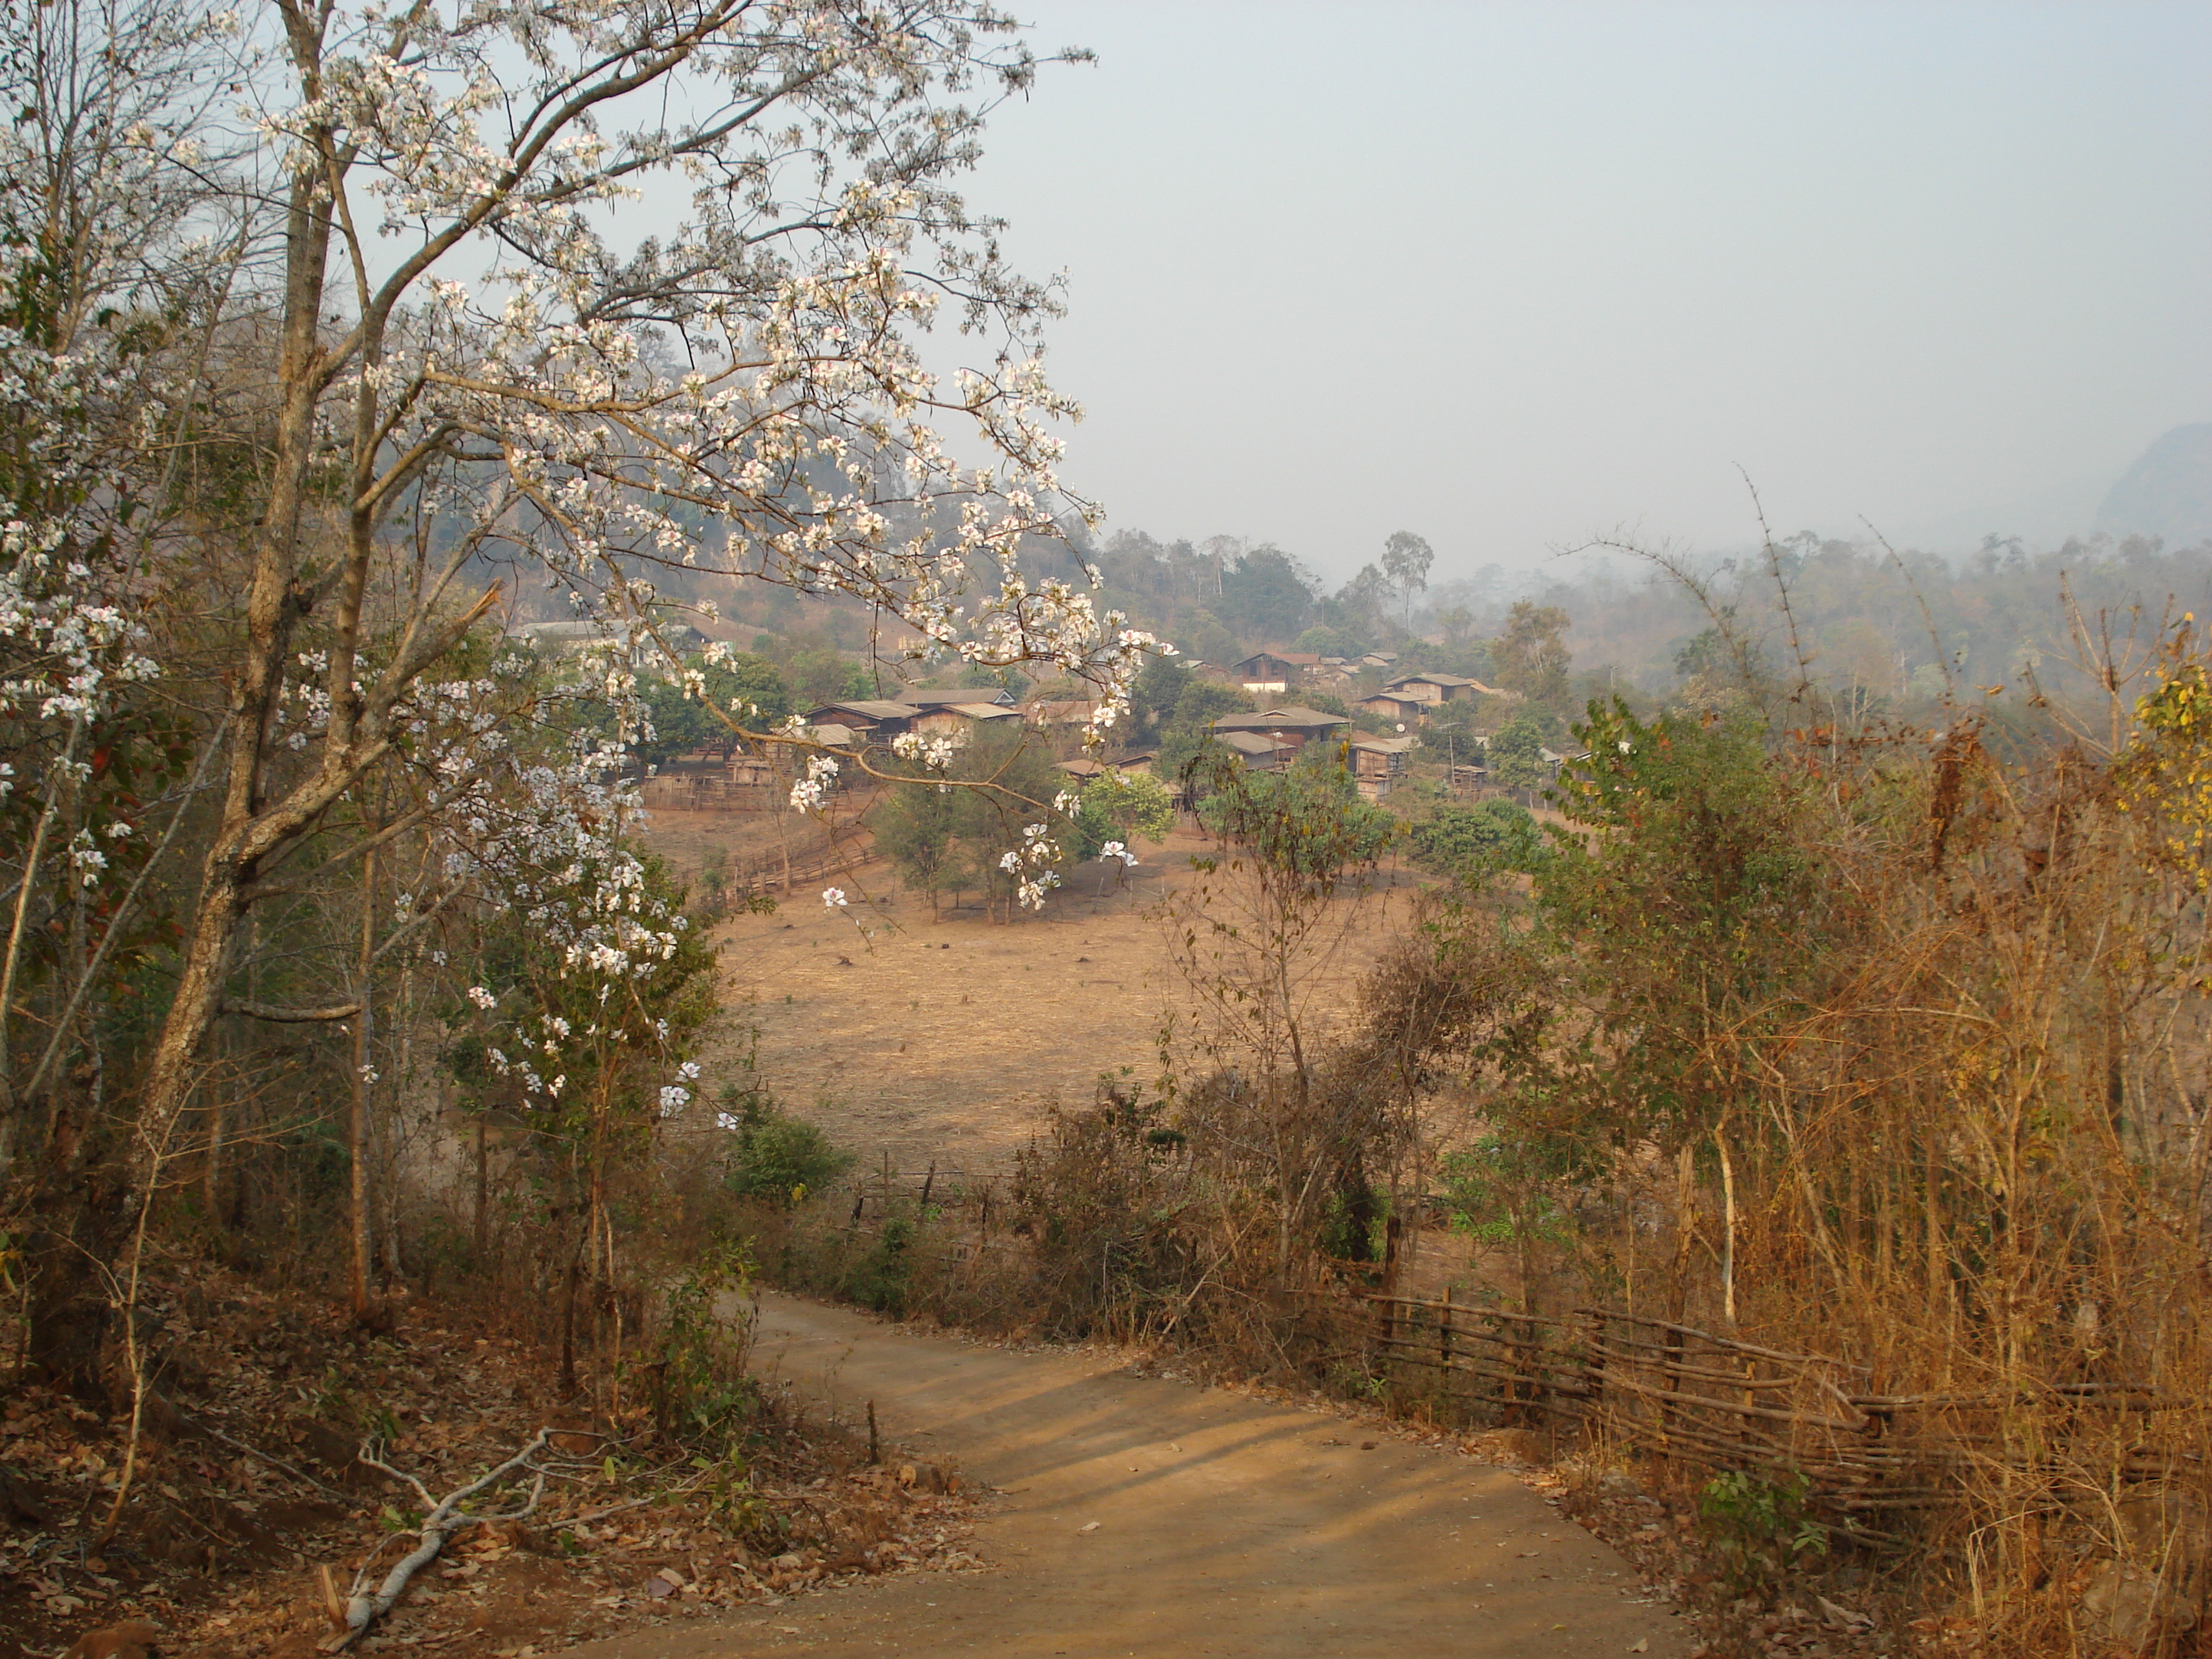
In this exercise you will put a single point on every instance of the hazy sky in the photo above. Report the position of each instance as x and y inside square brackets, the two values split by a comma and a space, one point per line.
[1508, 274]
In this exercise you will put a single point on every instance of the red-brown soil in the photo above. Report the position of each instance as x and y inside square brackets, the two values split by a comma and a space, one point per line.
[943, 1038]
[1139, 1514]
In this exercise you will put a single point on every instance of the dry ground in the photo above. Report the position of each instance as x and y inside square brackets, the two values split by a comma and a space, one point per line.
[944, 1039]
[1137, 1515]
[237, 1506]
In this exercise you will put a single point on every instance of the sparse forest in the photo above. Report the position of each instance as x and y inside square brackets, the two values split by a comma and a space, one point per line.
[335, 975]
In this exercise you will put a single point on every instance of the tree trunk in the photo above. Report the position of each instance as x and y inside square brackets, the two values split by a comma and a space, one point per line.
[395, 1266]
[1685, 1231]
[246, 831]
[217, 1123]
[357, 1128]
[483, 1184]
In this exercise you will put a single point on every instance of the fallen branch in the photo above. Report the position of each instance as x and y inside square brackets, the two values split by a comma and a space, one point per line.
[445, 1516]
[277, 1463]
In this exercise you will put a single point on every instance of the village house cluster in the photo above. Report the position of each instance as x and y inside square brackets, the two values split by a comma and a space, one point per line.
[1266, 738]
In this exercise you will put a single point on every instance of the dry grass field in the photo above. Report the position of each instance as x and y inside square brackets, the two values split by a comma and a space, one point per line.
[944, 1040]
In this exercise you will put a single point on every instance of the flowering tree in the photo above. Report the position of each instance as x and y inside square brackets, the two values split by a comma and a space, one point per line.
[106, 245]
[603, 988]
[468, 369]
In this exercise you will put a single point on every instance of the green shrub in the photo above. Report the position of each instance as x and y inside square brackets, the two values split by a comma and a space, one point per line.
[883, 1277]
[1489, 836]
[1758, 1527]
[777, 1156]
[697, 1369]
[1517, 753]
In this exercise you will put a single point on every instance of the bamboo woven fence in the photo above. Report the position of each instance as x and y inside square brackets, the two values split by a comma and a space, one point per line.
[1728, 1405]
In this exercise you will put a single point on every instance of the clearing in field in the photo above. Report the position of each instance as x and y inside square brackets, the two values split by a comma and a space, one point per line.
[944, 1040]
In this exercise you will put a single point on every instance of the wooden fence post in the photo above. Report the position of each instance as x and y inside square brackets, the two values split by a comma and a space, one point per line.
[1444, 1343]
[1596, 1374]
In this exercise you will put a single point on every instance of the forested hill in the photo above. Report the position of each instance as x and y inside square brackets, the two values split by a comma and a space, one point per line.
[1892, 623]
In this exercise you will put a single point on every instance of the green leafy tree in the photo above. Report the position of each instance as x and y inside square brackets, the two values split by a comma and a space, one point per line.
[681, 724]
[1506, 1190]
[745, 683]
[1252, 935]
[1471, 841]
[819, 674]
[1695, 874]
[1405, 561]
[946, 839]
[1205, 638]
[683, 716]
[1264, 595]
[1326, 642]
[1469, 657]
[917, 826]
[1517, 753]
[1307, 821]
[776, 1156]
[1123, 807]
[1531, 656]
[1152, 701]
[1362, 605]
[1189, 730]
[1449, 734]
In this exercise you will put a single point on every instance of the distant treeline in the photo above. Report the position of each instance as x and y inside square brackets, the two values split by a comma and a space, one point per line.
[1900, 627]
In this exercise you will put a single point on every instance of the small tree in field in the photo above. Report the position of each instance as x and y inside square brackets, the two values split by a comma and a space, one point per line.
[1122, 807]
[916, 827]
[1253, 937]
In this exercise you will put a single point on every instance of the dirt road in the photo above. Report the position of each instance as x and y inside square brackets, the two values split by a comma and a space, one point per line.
[1153, 1517]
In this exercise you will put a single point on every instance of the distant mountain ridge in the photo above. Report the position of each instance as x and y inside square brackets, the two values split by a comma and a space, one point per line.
[2168, 493]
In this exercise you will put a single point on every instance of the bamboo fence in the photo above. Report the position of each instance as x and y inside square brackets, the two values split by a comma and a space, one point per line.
[1728, 1405]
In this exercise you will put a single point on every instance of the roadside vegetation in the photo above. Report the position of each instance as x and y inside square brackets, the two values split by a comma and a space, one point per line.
[1823, 1032]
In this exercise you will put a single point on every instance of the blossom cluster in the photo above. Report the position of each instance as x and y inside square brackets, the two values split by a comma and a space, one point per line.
[1031, 866]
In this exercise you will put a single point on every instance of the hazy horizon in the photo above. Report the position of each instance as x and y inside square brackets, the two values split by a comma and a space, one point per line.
[1506, 275]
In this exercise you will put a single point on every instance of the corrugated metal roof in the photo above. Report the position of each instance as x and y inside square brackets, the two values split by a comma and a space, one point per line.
[914, 698]
[871, 709]
[1287, 718]
[1249, 743]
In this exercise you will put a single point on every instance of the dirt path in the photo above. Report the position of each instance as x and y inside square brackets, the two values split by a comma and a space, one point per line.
[1151, 1518]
